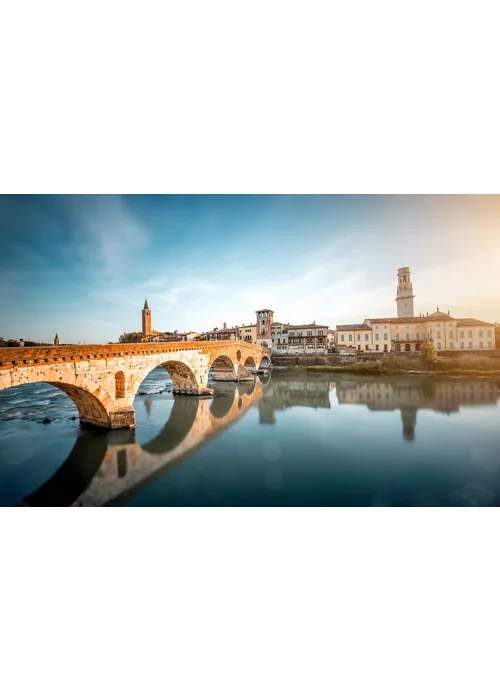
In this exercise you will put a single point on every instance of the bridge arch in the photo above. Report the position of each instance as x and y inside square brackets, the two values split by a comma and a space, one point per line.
[264, 362]
[90, 399]
[250, 363]
[181, 373]
[224, 368]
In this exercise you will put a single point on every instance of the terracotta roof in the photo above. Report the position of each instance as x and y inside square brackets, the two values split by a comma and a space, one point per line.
[308, 325]
[412, 319]
[262, 310]
[354, 327]
[472, 322]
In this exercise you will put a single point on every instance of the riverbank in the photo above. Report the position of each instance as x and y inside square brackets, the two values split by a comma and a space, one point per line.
[469, 365]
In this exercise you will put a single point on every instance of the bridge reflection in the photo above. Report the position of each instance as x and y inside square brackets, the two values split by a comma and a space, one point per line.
[107, 468]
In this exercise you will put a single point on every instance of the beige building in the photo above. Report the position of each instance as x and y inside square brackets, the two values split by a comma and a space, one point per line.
[405, 333]
[306, 339]
[248, 334]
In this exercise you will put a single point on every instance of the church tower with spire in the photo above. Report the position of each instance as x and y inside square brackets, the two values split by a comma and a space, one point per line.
[56, 340]
[146, 319]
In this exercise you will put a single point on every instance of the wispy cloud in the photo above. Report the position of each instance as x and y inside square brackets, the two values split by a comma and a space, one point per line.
[107, 234]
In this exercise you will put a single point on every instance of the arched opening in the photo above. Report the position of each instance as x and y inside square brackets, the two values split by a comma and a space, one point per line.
[407, 347]
[417, 347]
[397, 347]
[238, 355]
[90, 409]
[264, 344]
[264, 362]
[223, 369]
[119, 385]
[250, 363]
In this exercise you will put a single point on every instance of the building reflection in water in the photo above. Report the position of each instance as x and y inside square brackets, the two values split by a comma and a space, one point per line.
[410, 394]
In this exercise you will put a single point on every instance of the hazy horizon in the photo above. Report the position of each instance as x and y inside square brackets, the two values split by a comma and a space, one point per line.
[82, 266]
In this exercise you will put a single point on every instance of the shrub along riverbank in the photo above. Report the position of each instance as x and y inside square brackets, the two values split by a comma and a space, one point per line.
[399, 364]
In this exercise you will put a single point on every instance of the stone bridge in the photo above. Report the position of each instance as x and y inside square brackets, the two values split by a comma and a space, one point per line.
[103, 380]
[109, 468]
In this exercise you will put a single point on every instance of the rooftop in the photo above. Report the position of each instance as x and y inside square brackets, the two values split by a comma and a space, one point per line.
[355, 327]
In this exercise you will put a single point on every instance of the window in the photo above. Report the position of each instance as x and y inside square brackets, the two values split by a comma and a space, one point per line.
[450, 335]
[359, 336]
[359, 348]
[451, 346]
[489, 333]
[470, 346]
[481, 344]
[366, 347]
[397, 347]
[385, 348]
[417, 347]
[309, 332]
[489, 343]
[366, 336]
[470, 335]
[439, 346]
[438, 335]
[462, 334]
[376, 336]
[385, 336]
[341, 338]
[481, 334]
[462, 345]
[407, 336]
[418, 336]
[350, 338]
[385, 327]
[407, 347]
[397, 336]
[376, 348]
[320, 332]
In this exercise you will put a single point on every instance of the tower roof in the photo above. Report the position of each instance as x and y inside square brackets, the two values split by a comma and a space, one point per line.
[146, 305]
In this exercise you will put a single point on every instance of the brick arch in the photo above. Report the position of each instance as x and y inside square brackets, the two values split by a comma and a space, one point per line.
[264, 361]
[181, 373]
[250, 362]
[91, 400]
[223, 358]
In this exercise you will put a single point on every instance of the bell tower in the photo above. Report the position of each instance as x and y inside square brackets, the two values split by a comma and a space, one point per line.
[146, 319]
[264, 323]
[404, 294]
[56, 340]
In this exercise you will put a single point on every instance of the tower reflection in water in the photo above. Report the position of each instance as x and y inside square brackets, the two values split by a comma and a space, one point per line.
[109, 468]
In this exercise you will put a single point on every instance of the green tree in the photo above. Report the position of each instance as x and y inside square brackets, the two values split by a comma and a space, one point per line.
[130, 338]
[428, 352]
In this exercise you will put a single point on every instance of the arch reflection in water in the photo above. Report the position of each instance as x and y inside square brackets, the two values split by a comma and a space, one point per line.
[105, 468]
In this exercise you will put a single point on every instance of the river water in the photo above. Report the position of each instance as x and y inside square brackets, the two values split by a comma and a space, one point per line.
[290, 439]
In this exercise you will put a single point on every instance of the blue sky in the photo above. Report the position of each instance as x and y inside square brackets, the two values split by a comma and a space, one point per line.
[82, 265]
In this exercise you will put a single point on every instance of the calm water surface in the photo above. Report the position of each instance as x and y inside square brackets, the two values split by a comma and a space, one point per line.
[300, 438]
